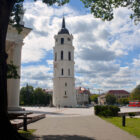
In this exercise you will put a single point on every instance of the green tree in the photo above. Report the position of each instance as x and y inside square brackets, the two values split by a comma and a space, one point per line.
[104, 8]
[31, 96]
[110, 99]
[123, 101]
[94, 98]
[39, 96]
[135, 94]
[26, 95]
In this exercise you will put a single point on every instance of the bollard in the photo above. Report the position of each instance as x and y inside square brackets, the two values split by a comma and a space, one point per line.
[25, 122]
[123, 120]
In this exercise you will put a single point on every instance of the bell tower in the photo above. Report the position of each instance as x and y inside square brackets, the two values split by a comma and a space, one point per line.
[64, 94]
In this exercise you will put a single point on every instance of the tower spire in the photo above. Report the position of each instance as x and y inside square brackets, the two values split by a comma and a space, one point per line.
[63, 22]
[63, 30]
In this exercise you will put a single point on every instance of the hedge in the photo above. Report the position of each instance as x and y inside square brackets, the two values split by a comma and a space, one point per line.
[107, 110]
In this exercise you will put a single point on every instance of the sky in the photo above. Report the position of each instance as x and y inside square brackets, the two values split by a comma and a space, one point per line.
[107, 54]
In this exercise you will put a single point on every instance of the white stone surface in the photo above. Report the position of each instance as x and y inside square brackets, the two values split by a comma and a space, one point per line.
[62, 112]
[14, 42]
[64, 84]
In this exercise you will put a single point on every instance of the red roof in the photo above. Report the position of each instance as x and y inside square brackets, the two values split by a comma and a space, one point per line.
[82, 90]
[118, 92]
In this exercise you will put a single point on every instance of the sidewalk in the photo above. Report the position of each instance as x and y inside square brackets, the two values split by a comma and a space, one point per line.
[78, 128]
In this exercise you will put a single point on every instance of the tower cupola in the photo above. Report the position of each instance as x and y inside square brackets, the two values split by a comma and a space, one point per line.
[63, 30]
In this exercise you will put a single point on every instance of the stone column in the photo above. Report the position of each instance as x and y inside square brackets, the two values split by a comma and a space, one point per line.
[14, 84]
[14, 47]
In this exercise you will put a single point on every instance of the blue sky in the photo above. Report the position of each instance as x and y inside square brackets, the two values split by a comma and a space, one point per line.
[107, 54]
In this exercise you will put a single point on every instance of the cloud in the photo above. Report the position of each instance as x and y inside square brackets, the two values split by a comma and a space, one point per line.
[39, 76]
[99, 46]
[96, 53]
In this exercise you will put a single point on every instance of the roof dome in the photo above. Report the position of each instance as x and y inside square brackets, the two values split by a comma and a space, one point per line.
[63, 30]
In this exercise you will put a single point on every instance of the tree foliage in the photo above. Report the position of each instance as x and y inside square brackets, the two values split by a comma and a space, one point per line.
[18, 10]
[104, 8]
[110, 99]
[123, 101]
[12, 71]
[94, 98]
[135, 94]
[37, 96]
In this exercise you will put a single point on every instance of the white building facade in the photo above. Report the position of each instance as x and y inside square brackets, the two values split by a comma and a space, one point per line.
[82, 96]
[64, 94]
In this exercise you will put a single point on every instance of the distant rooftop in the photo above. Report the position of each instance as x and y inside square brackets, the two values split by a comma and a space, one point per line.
[118, 92]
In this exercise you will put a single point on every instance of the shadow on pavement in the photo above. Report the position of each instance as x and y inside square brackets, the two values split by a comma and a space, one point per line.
[64, 137]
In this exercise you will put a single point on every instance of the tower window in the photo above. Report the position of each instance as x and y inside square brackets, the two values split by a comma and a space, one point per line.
[62, 72]
[62, 40]
[61, 55]
[68, 39]
[69, 72]
[56, 39]
[65, 84]
[55, 56]
[69, 55]
[65, 93]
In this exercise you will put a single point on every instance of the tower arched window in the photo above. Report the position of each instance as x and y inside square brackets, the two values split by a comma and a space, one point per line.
[62, 71]
[62, 40]
[55, 56]
[62, 55]
[65, 93]
[69, 56]
[69, 72]
[65, 84]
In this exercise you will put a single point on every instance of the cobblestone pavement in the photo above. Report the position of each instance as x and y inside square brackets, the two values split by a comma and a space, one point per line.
[75, 124]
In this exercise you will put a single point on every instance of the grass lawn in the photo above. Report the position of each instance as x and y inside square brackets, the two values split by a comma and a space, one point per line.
[132, 124]
[27, 134]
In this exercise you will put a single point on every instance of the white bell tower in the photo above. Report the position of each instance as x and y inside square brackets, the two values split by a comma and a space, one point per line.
[64, 94]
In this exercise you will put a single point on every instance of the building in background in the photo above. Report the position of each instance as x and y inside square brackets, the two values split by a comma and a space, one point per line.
[48, 91]
[119, 94]
[82, 96]
[102, 99]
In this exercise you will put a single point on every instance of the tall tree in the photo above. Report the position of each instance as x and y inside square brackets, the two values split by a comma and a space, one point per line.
[110, 99]
[135, 94]
[26, 95]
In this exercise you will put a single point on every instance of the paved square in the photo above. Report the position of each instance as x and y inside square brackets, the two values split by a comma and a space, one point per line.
[75, 124]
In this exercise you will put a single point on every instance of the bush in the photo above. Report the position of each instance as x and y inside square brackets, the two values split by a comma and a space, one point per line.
[107, 111]
[131, 115]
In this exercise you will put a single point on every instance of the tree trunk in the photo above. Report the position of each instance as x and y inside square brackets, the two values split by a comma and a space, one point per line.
[7, 131]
